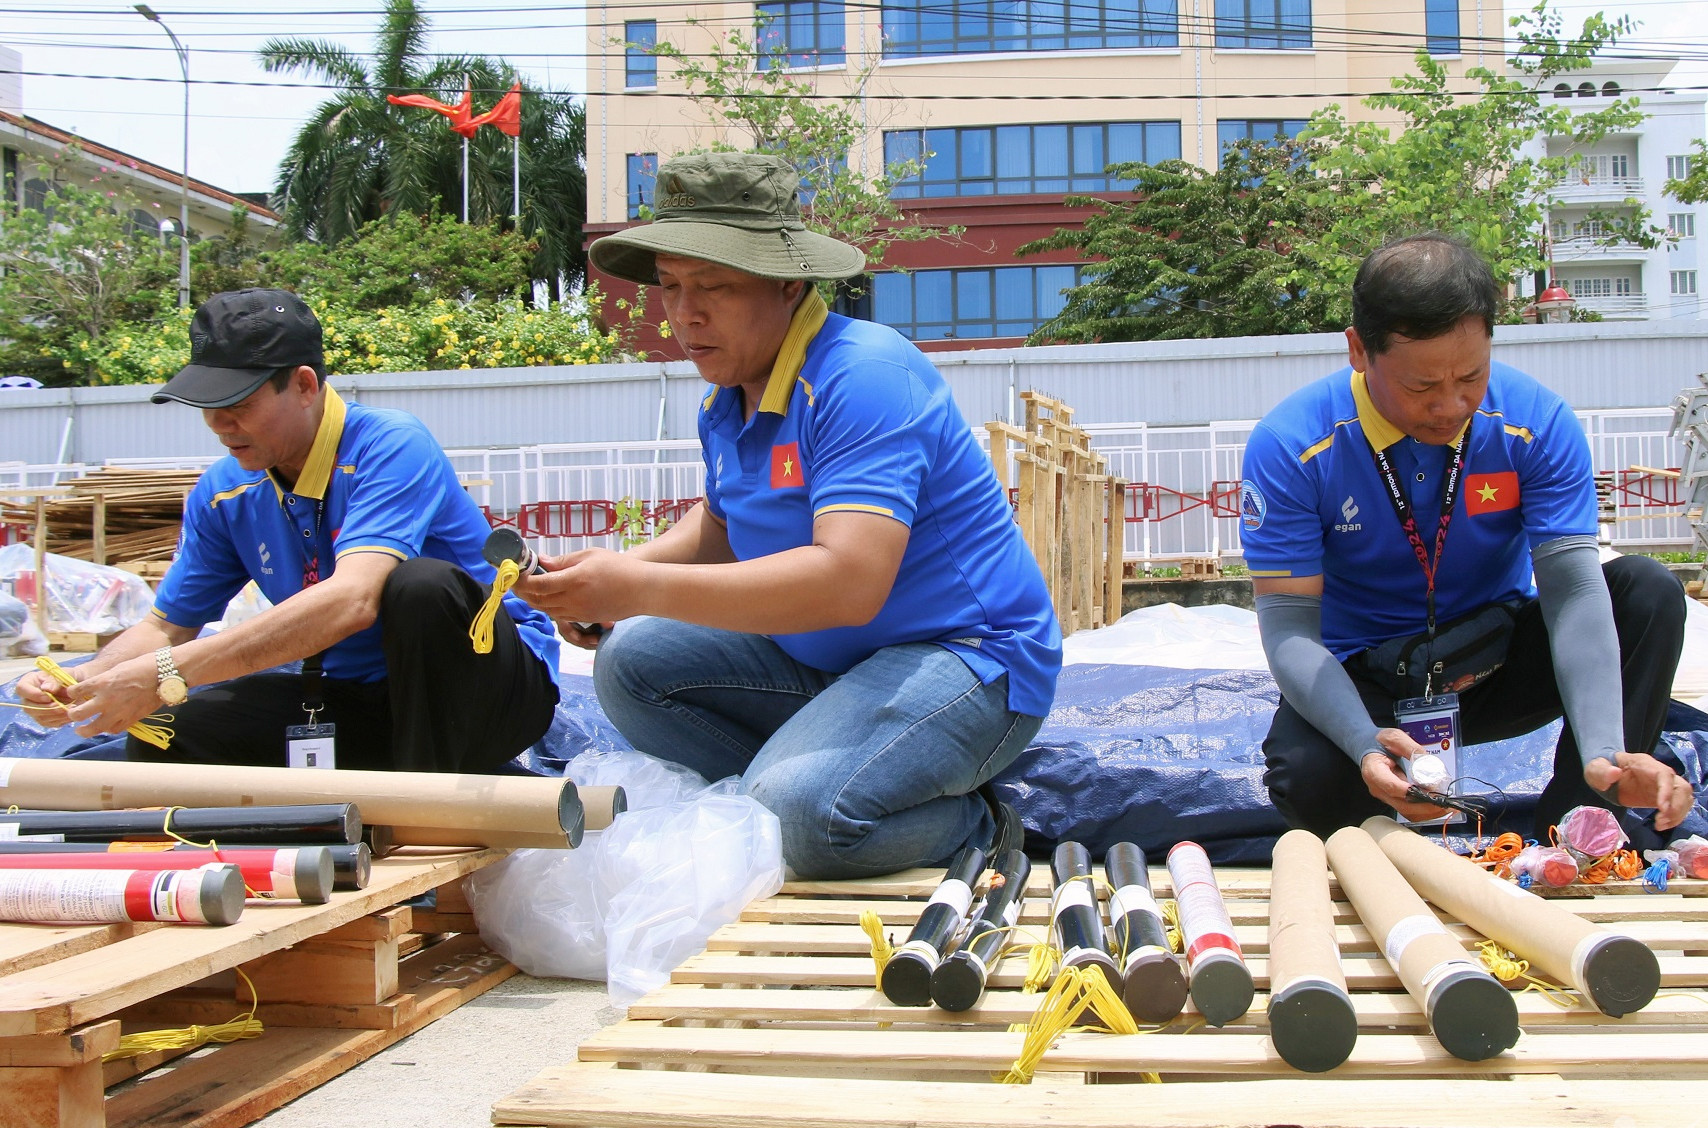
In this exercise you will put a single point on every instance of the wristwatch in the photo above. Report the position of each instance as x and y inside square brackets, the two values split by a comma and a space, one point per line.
[172, 688]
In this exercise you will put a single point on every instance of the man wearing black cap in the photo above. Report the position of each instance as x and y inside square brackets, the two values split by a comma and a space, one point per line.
[352, 523]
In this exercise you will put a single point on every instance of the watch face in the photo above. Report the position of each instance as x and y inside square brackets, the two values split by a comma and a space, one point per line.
[173, 691]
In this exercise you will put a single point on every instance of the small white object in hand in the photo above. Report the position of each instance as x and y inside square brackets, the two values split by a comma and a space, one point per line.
[1429, 772]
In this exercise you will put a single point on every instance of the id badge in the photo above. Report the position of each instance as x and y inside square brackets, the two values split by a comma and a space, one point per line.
[311, 746]
[1434, 723]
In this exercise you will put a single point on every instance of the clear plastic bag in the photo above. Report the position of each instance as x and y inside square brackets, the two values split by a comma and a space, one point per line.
[540, 910]
[80, 596]
[1544, 865]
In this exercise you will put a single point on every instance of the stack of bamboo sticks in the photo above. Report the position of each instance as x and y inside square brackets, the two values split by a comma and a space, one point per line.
[111, 514]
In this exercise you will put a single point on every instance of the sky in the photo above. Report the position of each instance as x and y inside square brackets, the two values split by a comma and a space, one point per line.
[239, 133]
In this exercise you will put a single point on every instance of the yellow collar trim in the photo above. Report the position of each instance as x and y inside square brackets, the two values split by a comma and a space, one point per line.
[1381, 433]
[809, 318]
[317, 471]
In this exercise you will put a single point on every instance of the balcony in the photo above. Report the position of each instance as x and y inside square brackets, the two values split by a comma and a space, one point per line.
[1598, 189]
[1619, 307]
[1588, 249]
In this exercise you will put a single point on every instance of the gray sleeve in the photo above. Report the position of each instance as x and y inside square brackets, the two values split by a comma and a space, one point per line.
[1579, 616]
[1310, 678]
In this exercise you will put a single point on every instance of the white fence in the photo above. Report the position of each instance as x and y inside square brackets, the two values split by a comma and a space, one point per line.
[1185, 502]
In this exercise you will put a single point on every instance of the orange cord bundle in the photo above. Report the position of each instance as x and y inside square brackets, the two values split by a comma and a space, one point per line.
[1499, 854]
[1622, 864]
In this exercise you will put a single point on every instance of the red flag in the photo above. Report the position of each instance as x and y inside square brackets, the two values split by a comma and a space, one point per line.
[786, 466]
[458, 114]
[1490, 493]
[506, 115]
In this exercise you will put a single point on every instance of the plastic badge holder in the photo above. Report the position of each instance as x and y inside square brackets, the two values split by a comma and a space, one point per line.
[1434, 723]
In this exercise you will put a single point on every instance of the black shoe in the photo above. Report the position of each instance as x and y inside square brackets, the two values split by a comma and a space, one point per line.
[1010, 834]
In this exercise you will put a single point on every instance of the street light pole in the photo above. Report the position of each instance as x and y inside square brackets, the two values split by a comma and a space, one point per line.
[183, 54]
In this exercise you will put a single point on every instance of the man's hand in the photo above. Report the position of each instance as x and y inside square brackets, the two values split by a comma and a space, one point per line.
[1386, 779]
[115, 699]
[591, 586]
[45, 696]
[1643, 781]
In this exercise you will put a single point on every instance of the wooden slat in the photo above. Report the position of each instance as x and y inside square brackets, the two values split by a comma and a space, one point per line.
[579, 1095]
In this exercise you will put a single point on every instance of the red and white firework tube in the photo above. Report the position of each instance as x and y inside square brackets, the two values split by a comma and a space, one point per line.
[210, 895]
[1074, 913]
[1153, 986]
[1221, 983]
[303, 873]
[906, 980]
[959, 981]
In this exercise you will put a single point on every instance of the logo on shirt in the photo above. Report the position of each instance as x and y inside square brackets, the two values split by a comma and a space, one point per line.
[266, 558]
[1490, 493]
[786, 466]
[1348, 510]
[1252, 507]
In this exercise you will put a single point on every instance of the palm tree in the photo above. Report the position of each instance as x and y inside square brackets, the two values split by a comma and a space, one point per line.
[359, 158]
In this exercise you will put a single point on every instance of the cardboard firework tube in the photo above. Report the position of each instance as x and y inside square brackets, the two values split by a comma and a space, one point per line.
[303, 873]
[1153, 986]
[209, 895]
[1311, 1019]
[1615, 972]
[1221, 985]
[959, 981]
[352, 865]
[312, 824]
[1470, 1013]
[441, 809]
[1074, 914]
[906, 979]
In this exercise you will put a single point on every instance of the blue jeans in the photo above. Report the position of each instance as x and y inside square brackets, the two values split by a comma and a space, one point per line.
[869, 772]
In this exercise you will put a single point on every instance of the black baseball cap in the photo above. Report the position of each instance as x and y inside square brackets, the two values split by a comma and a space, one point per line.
[238, 340]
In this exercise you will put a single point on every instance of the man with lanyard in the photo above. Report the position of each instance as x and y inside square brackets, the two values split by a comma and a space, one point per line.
[352, 523]
[850, 619]
[1392, 516]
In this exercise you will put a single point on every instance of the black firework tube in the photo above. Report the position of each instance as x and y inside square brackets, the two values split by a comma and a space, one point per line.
[1074, 915]
[906, 980]
[352, 865]
[1220, 982]
[303, 824]
[507, 544]
[1312, 1022]
[959, 981]
[1153, 986]
[302, 873]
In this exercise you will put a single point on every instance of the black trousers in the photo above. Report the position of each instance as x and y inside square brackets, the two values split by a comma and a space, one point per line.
[440, 708]
[1315, 785]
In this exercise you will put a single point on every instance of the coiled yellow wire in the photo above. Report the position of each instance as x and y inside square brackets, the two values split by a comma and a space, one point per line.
[480, 631]
[158, 735]
[188, 1037]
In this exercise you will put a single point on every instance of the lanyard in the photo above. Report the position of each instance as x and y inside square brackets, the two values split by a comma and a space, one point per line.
[1408, 521]
[313, 701]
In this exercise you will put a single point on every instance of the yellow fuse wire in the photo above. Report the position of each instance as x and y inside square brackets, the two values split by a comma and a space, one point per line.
[189, 1037]
[158, 735]
[480, 631]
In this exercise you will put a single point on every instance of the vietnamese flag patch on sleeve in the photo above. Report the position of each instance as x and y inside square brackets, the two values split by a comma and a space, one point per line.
[1490, 493]
[786, 466]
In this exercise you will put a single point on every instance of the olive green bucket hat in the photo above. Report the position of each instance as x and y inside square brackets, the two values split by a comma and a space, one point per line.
[734, 209]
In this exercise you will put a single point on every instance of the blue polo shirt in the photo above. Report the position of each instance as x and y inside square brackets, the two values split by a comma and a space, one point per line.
[375, 481]
[854, 418]
[1313, 503]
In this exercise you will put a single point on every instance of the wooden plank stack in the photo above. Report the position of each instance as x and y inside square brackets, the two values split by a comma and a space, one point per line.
[337, 983]
[111, 514]
[1070, 509]
[778, 1023]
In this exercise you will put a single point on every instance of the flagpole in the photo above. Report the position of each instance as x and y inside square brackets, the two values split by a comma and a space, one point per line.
[516, 180]
[466, 157]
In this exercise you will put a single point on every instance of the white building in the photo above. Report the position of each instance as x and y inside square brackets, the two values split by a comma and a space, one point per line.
[1620, 279]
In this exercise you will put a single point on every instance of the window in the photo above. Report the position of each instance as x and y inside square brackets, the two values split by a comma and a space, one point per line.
[1004, 301]
[1586, 90]
[1683, 281]
[805, 32]
[1678, 168]
[643, 171]
[1441, 27]
[1599, 287]
[1681, 225]
[1603, 166]
[1230, 130]
[1263, 25]
[915, 28]
[1610, 90]
[1009, 160]
[1563, 90]
[640, 65]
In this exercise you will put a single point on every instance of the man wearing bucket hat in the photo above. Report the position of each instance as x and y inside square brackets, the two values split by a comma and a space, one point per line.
[849, 620]
[352, 523]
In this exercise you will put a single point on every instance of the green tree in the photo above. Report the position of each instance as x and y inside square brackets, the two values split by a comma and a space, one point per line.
[78, 270]
[1693, 188]
[755, 100]
[1456, 164]
[359, 158]
[406, 260]
[1195, 253]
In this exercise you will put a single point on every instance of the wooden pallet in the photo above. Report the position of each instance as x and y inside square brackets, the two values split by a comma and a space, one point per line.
[777, 1023]
[337, 983]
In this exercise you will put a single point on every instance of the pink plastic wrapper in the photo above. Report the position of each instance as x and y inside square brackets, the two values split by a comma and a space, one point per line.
[1591, 831]
[1545, 865]
[1692, 856]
